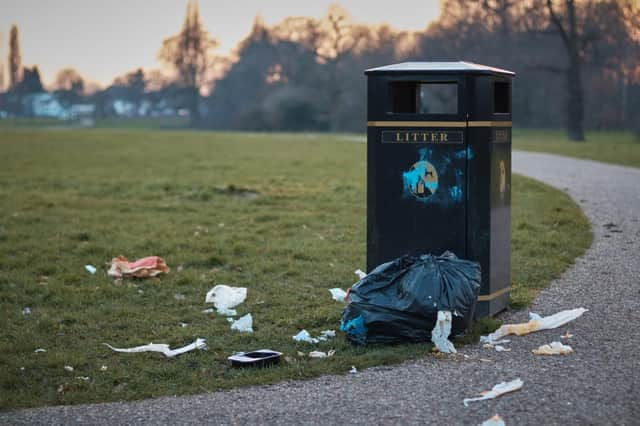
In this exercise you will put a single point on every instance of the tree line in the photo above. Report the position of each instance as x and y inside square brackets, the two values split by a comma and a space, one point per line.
[577, 64]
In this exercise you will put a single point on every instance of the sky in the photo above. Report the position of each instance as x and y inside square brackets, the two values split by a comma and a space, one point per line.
[103, 39]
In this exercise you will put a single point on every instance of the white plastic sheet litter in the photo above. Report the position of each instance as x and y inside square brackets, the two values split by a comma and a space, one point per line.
[304, 336]
[162, 348]
[90, 269]
[493, 421]
[553, 348]
[496, 391]
[243, 324]
[338, 294]
[536, 323]
[224, 298]
[440, 333]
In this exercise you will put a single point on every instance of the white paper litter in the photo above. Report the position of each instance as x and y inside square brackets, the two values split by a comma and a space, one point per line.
[326, 335]
[26, 311]
[85, 378]
[224, 297]
[500, 348]
[338, 294]
[40, 350]
[68, 368]
[536, 323]
[104, 368]
[90, 269]
[353, 370]
[554, 348]
[183, 324]
[229, 319]
[360, 273]
[226, 312]
[208, 311]
[162, 348]
[319, 354]
[493, 421]
[440, 333]
[243, 324]
[304, 336]
[496, 391]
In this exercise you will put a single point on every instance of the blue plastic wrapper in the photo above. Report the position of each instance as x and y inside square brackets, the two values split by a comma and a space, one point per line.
[399, 300]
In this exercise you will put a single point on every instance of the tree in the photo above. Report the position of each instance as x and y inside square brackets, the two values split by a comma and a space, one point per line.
[15, 61]
[188, 54]
[69, 86]
[31, 82]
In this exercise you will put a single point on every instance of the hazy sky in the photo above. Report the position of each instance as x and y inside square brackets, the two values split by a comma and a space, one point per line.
[103, 39]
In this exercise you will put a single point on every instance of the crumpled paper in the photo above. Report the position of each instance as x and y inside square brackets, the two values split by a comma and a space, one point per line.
[496, 391]
[536, 323]
[440, 333]
[243, 324]
[554, 348]
[163, 348]
[225, 297]
[338, 294]
[141, 268]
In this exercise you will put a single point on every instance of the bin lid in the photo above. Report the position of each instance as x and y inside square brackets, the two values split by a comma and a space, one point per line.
[459, 67]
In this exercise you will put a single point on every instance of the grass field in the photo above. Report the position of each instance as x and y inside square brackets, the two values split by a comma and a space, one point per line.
[607, 147]
[283, 215]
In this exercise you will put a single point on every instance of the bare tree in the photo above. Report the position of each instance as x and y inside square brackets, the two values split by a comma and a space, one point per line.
[15, 60]
[188, 53]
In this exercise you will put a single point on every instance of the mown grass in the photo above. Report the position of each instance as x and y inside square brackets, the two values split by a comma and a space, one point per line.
[605, 146]
[71, 198]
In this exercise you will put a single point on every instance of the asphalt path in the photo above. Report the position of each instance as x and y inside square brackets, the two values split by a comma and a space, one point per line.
[597, 384]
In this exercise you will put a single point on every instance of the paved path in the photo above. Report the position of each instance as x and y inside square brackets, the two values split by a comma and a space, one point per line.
[598, 384]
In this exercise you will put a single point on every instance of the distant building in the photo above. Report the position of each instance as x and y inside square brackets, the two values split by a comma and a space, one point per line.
[45, 105]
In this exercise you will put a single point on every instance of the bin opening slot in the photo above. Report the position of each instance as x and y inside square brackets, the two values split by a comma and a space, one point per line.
[438, 98]
[403, 97]
[501, 98]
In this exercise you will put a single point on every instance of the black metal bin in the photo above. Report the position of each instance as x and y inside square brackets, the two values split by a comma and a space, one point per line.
[439, 167]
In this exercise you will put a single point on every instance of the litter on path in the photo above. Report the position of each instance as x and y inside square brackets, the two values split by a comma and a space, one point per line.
[493, 421]
[141, 268]
[440, 333]
[554, 348]
[90, 269]
[224, 298]
[243, 324]
[496, 391]
[536, 323]
[353, 370]
[338, 294]
[163, 348]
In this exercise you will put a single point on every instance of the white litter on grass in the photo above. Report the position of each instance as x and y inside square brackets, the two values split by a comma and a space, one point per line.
[84, 378]
[183, 324]
[40, 350]
[493, 421]
[554, 348]
[243, 324]
[90, 269]
[224, 297]
[68, 368]
[326, 335]
[226, 312]
[163, 348]
[26, 311]
[496, 391]
[229, 319]
[536, 323]
[304, 336]
[353, 370]
[440, 333]
[319, 354]
[179, 296]
[360, 273]
[208, 311]
[104, 368]
[338, 294]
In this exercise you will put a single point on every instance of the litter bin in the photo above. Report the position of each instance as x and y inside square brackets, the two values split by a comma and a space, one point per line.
[439, 167]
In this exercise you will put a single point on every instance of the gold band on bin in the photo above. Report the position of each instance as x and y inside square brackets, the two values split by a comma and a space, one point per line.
[439, 124]
[487, 297]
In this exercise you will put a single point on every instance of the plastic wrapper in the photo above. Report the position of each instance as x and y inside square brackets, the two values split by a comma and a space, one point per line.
[399, 300]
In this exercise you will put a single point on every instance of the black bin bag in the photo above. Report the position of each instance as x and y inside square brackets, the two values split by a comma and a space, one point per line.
[399, 300]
